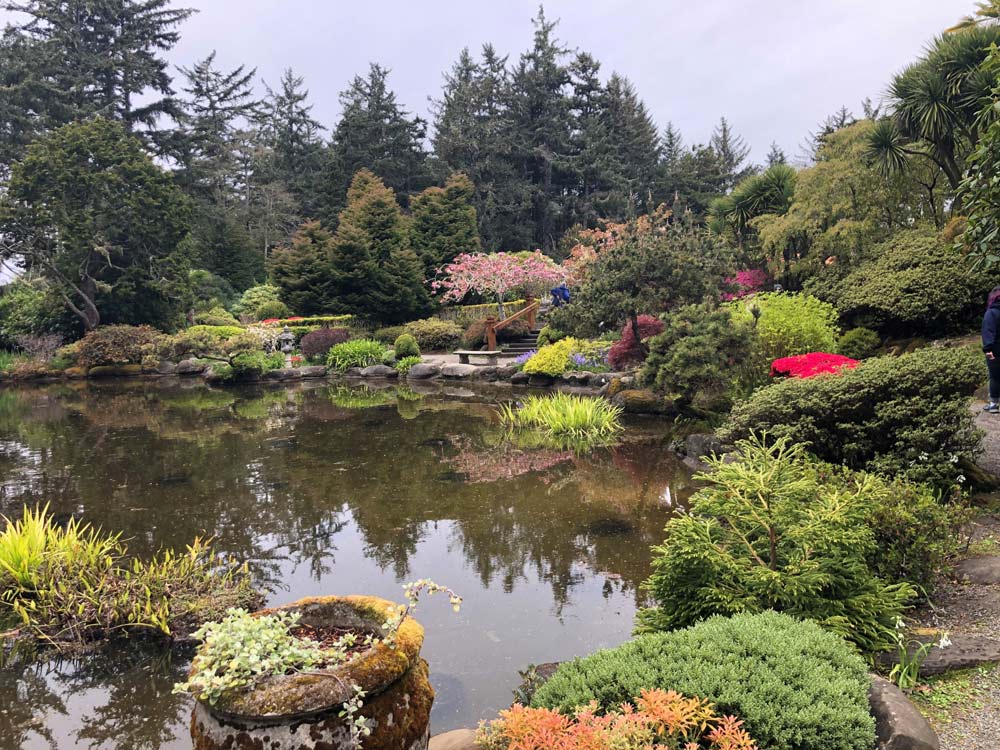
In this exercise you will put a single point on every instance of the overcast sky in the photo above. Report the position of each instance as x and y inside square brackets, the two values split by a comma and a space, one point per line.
[773, 67]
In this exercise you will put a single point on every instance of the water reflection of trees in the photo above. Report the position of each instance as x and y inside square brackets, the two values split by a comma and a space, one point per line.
[275, 475]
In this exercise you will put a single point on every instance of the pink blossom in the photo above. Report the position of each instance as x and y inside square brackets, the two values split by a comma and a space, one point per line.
[496, 274]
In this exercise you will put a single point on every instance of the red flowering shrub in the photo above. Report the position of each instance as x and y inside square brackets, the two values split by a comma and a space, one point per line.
[811, 365]
[660, 718]
[626, 352]
[746, 282]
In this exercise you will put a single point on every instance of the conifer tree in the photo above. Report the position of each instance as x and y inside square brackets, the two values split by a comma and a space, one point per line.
[731, 151]
[302, 270]
[443, 223]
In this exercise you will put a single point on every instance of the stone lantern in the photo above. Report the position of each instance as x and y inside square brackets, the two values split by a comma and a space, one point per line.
[286, 343]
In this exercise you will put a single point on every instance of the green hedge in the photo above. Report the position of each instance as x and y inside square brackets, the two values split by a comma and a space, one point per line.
[795, 686]
[906, 415]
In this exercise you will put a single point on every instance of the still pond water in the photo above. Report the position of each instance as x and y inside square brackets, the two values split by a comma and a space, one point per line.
[333, 490]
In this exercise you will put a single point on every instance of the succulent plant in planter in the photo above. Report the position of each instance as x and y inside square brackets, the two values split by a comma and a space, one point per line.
[320, 672]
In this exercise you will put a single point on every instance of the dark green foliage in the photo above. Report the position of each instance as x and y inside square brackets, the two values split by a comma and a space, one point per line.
[859, 343]
[302, 270]
[649, 269]
[209, 290]
[101, 222]
[406, 346]
[767, 533]
[699, 355]
[904, 415]
[116, 345]
[915, 284]
[795, 686]
[434, 334]
[271, 309]
[316, 344]
[475, 334]
[443, 223]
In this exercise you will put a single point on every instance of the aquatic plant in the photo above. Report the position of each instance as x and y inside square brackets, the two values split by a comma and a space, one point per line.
[363, 397]
[565, 415]
[356, 353]
[403, 365]
[73, 583]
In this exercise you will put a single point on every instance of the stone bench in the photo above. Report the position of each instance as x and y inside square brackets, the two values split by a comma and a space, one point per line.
[491, 356]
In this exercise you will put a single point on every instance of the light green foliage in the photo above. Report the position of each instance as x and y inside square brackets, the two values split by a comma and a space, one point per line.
[389, 358]
[116, 345]
[552, 359]
[31, 308]
[789, 324]
[389, 334]
[549, 335]
[904, 415]
[434, 335]
[216, 316]
[795, 686]
[406, 346]
[7, 360]
[699, 357]
[74, 583]
[562, 415]
[252, 362]
[914, 285]
[356, 353]
[403, 365]
[766, 534]
[240, 648]
[272, 309]
[859, 343]
[256, 296]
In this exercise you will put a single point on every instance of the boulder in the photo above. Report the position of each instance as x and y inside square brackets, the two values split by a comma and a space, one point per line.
[283, 373]
[353, 372]
[642, 402]
[520, 378]
[577, 378]
[129, 370]
[898, 723]
[380, 371]
[190, 367]
[456, 739]
[506, 372]
[102, 371]
[75, 373]
[423, 371]
[489, 373]
[983, 570]
[703, 444]
[217, 376]
[458, 371]
[539, 380]
[166, 368]
[313, 371]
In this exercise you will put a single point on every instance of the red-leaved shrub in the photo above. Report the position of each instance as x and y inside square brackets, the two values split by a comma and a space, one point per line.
[626, 352]
[316, 344]
[811, 365]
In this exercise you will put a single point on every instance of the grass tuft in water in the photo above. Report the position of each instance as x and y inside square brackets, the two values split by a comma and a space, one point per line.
[566, 417]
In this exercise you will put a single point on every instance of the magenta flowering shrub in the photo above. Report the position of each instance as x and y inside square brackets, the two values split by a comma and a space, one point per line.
[746, 282]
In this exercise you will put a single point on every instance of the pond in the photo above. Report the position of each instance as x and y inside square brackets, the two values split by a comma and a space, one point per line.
[329, 489]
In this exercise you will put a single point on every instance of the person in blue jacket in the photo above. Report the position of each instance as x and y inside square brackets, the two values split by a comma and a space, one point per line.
[991, 348]
[560, 295]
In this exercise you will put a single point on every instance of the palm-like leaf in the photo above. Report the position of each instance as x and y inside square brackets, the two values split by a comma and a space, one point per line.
[887, 147]
[986, 13]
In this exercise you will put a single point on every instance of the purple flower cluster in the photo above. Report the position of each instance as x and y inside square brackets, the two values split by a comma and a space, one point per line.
[522, 358]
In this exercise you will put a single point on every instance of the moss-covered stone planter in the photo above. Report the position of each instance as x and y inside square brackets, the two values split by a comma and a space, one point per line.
[300, 711]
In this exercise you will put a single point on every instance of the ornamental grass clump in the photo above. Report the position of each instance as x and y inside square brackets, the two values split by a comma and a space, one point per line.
[565, 416]
[771, 532]
[357, 353]
[663, 717]
[73, 584]
[792, 684]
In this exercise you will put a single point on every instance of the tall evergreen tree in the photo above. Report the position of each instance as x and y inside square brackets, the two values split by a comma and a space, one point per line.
[776, 155]
[105, 58]
[541, 129]
[375, 273]
[473, 135]
[443, 223]
[375, 133]
[731, 151]
[302, 270]
[635, 149]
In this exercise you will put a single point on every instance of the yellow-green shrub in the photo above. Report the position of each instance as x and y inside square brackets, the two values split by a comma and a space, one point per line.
[789, 324]
[552, 359]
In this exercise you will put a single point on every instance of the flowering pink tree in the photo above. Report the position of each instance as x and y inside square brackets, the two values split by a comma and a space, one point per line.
[497, 275]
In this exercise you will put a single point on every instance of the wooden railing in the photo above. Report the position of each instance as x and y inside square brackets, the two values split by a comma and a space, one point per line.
[529, 313]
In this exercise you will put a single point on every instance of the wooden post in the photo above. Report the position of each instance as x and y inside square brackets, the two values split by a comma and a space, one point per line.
[491, 333]
[531, 312]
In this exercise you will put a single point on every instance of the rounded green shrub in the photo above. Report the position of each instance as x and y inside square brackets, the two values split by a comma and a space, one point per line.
[406, 346]
[272, 309]
[906, 415]
[787, 324]
[434, 334]
[356, 353]
[217, 316]
[794, 685]
[859, 343]
[116, 345]
[549, 335]
[256, 296]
